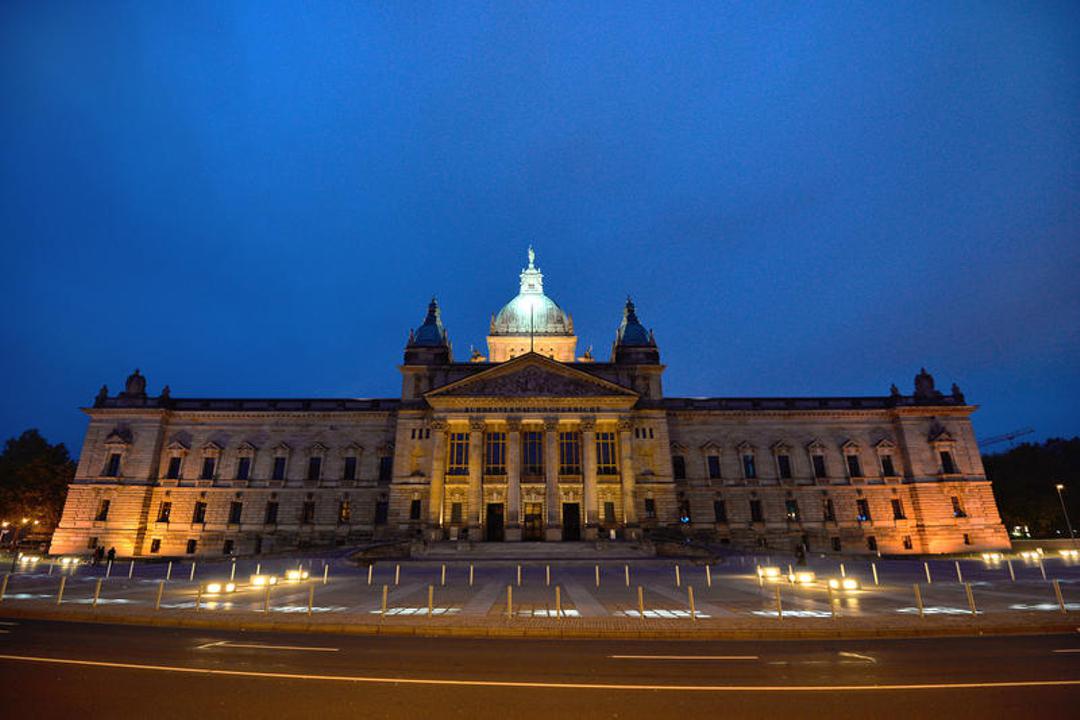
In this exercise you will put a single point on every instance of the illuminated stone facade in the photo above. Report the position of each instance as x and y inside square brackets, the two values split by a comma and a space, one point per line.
[529, 445]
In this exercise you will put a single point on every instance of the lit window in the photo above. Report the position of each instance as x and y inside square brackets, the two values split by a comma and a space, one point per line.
[606, 454]
[570, 453]
[791, 507]
[458, 454]
[494, 453]
[863, 507]
[532, 452]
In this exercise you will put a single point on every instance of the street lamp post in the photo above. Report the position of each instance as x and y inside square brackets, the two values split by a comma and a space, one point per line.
[1064, 511]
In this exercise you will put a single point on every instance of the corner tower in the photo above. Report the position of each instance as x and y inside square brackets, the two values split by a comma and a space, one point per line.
[532, 322]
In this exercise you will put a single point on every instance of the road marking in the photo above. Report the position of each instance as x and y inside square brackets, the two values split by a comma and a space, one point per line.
[683, 657]
[857, 656]
[5, 622]
[541, 685]
[257, 646]
[1068, 650]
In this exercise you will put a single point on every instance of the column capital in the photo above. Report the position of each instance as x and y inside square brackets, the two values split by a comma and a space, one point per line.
[438, 424]
[476, 424]
[551, 424]
[588, 424]
[624, 425]
[513, 424]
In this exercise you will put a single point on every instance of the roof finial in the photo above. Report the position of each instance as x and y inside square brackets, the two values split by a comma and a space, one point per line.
[532, 257]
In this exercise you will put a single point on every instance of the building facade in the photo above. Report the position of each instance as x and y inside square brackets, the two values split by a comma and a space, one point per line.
[529, 443]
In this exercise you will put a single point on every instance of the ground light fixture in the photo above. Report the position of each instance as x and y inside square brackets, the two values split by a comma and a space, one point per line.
[992, 557]
[769, 572]
[846, 583]
[263, 580]
[69, 561]
[802, 577]
[217, 588]
[1069, 554]
[296, 575]
[29, 559]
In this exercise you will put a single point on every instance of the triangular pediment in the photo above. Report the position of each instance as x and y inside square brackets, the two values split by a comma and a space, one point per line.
[531, 376]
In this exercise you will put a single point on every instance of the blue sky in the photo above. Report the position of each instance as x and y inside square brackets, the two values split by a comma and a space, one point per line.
[248, 199]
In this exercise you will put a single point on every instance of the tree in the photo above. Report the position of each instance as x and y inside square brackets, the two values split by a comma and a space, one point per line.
[1023, 479]
[34, 476]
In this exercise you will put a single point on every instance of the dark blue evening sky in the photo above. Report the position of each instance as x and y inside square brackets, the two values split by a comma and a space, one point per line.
[248, 199]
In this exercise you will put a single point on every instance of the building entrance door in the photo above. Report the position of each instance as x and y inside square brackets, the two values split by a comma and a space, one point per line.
[571, 522]
[494, 525]
[532, 527]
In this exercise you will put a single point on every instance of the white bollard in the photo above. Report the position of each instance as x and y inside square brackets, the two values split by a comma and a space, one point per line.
[108, 569]
[52, 564]
[1012, 573]
[779, 606]
[470, 575]
[509, 602]
[160, 592]
[191, 577]
[258, 568]
[131, 569]
[547, 576]
[626, 572]
[970, 598]
[310, 599]
[266, 599]
[1042, 569]
[843, 573]
[442, 575]
[558, 602]
[519, 575]
[385, 591]
[873, 569]
[708, 576]
[597, 576]
[678, 579]
[97, 592]
[1057, 593]
[60, 591]
[325, 574]
[232, 571]
[926, 567]
[959, 575]
[832, 603]
[690, 599]
[397, 575]
[370, 570]
[918, 599]
[640, 602]
[168, 571]
[430, 600]
[3, 586]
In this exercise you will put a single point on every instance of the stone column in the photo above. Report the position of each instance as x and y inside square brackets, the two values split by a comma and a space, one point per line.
[438, 478]
[513, 479]
[626, 469]
[588, 468]
[553, 529]
[476, 470]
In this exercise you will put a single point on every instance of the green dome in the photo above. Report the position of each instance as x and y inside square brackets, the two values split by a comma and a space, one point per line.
[532, 312]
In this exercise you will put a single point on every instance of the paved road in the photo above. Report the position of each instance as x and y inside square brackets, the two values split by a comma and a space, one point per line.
[136, 672]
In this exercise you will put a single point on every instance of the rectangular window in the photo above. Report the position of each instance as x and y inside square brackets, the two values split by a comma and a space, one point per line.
[112, 466]
[957, 508]
[863, 509]
[414, 510]
[494, 453]
[314, 468]
[164, 511]
[712, 463]
[755, 511]
[243, 468]
[828, 510]
[382, 512]
[455, 513]
[207, 469]
[271, 513]
[607, 462]
[199, 515]
[192, 545]
[871, 543]
[791, 507]
[854, 468]
[967, 539]
[457, 459]
[947, 465]
[344, 513]
[102, 511]
[236, 509]
[783, 464]
[532, 452]
[650, 509]
[155, 546]
[719, 510]
[907, 542]
[678, 466]
[279, 469]
[386, 468]
[898, 510]
[749, 467]
[307, 512]
[609, 512]
[228, 547]
[173, 473]
[258, 545]
[570, 453]
[349, 472]
[819, 465]
[836, 544]
[887, 467]
[91, 543]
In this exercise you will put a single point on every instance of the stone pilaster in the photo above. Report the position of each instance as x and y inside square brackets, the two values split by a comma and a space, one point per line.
[436, 503]
[513, 479]
[589, 499]
[553, 526]
[476, 470]
[626, 470]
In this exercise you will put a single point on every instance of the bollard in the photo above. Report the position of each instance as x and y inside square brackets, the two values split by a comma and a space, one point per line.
[325, 574]
[547, 575]
[370, 570]
[558, 602]
[52, 564]
[959, 575]
[60, 591]
[970, 598]
[640, 603]
[131, 569]
[926, 567]
[760, 579]
[509, 601]
[470, 575]
[191, 577]
[1012, 573]
[430, 600]
[678, 579]
[832, 604]
[258, 567]
[779, 607]
[626, 572]
[442, 575]
[708, 576]
[198, 598]
[843, 573]
[3, 586]
[385, 590]
[266, 600]
[918, 599]
[310, 599]
[160, 592]
[232, 571]
[168, 571]
[519, 575]
[1057, 593]
[873, 569]
[597, 576]
[690, 598]
[790, 571]
[108, 569]
[1042, 569]
[97, 592]
[397, 574]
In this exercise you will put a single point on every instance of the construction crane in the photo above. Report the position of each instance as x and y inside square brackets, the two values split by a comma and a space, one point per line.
[1008, 437]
